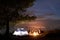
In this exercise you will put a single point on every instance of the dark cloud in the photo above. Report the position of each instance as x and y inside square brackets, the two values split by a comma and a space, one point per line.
[49, 14]
[41, 16]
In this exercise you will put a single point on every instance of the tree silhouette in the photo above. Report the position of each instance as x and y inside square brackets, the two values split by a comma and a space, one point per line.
[9, 10]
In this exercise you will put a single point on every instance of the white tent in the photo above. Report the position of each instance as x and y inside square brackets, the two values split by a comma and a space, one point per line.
[20, 32]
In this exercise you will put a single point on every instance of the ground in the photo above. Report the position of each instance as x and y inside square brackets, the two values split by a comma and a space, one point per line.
[49, 36]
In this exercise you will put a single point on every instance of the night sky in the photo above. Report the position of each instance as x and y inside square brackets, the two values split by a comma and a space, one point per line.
[46, 9]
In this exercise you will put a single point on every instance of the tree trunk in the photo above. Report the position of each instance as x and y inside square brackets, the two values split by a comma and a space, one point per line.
[7, 27]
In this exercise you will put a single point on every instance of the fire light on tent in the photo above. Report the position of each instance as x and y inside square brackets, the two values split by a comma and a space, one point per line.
[34, 34]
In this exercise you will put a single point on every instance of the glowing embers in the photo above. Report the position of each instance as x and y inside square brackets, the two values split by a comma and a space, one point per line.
[20, 32]
[33, 33]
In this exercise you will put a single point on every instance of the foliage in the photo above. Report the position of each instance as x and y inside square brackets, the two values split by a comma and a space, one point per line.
[9, 9]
